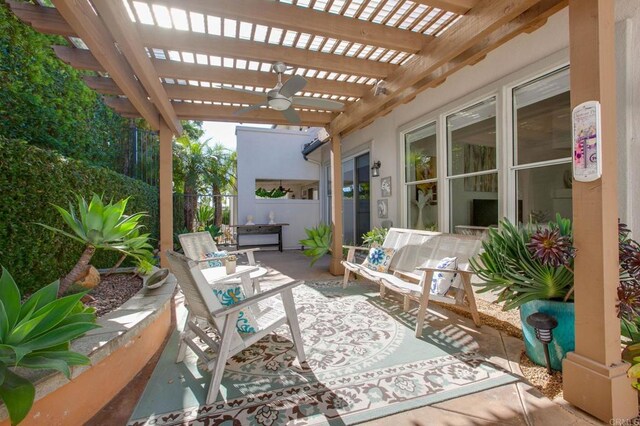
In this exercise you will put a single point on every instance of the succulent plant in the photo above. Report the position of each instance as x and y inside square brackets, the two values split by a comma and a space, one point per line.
[36, 334]
[318, 242]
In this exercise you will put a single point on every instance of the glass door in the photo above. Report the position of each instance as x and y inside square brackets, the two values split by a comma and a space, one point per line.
[363, 204]
[356, 205]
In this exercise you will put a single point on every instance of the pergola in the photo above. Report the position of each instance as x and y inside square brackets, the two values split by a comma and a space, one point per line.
[165, 62]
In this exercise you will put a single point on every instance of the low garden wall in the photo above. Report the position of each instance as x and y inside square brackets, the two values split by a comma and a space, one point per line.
[31, 180]
[127, 339]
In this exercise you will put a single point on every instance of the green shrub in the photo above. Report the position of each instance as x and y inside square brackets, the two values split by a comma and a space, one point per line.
[31, 179]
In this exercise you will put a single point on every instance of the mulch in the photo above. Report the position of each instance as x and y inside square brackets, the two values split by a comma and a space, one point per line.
[113, 291]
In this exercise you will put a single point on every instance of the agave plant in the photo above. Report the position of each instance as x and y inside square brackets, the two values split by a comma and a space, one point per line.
[137, 246]
[318, 242]
[523, 264]
[98, 226]
[36, 334]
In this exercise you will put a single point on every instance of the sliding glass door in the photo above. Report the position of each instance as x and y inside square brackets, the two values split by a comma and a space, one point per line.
[356, 205]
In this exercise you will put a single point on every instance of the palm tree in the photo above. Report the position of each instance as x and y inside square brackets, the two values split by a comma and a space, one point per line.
[220, 176]
[190, 161]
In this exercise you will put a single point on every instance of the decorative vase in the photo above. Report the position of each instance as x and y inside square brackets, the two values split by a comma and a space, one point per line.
[231, 266]
[564, 335]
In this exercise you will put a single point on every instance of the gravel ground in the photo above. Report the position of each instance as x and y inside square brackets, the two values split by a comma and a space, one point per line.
[113, 291]
[550, 386]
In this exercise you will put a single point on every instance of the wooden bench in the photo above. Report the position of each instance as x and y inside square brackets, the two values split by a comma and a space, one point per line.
[417, 254]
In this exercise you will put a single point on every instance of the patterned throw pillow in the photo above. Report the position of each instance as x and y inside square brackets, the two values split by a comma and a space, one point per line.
[442, 281]
[379, 259]
[230, 295]
[215, 255]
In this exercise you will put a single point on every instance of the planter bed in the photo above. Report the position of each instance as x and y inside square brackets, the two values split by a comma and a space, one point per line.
[127, 339]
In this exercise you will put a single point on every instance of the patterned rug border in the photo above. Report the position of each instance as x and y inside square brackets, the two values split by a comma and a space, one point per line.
[301, 394]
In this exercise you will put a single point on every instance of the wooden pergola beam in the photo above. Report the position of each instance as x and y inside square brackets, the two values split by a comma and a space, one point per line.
[106, 86]
[83, 59]
[479, 23]
[310, 21]
[197, 111]
[82, 18]
[43, 19]
[181, 70]
[456, 6]
[80, 59]
[527, 20]
[169, 39]
[119, 24]
[191, 111]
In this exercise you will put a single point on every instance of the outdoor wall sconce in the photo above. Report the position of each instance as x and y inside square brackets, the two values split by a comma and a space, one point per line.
[375, 169]
[543, 325]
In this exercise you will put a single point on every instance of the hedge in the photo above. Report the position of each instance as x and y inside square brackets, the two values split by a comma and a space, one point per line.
[31, 179]
[46, 102]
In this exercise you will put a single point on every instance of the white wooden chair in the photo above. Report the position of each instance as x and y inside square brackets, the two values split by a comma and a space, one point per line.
[414, 264]
[275, 308]
[197, 244]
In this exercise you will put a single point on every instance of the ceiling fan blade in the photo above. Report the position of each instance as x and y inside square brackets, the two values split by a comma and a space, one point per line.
[291, 115]
[318, 103]
[235, 89]
[293, 86]
[250, 108]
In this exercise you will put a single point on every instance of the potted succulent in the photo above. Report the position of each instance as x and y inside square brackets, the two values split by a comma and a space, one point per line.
[531, 269]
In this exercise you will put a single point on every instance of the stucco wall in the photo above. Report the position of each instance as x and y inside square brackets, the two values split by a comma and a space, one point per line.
[275, 154]
[544, 48]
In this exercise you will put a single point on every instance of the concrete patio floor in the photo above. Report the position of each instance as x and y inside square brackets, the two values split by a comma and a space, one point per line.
[513, 404]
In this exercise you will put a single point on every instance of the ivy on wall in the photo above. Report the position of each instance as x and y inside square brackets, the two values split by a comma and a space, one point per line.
[46, 102]
[30, 180]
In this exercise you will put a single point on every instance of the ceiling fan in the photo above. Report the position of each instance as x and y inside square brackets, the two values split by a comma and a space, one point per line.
[282, 96]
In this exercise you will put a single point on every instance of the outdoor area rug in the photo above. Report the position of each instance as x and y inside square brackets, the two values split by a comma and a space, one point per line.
[364, 359]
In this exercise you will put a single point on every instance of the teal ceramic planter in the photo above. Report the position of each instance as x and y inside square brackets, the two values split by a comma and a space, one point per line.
[564, 336]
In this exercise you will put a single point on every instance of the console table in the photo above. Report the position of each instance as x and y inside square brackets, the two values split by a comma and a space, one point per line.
[275, 229]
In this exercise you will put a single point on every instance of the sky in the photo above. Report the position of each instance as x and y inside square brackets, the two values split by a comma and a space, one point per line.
[225, 133]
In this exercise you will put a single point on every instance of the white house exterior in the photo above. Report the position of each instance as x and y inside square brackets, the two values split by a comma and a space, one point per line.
[275, 154]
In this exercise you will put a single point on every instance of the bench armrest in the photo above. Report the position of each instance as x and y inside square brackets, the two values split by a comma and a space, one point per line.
[254, 299]
[458, 271]
[357, 248]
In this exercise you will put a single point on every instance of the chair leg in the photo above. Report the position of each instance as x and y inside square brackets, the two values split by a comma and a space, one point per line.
[473, 308]
[256, 286]
[424, 301]
[225, 344]
[383, 291]
[406, 304]
[292, 319]
[345, 280]
[182, 346]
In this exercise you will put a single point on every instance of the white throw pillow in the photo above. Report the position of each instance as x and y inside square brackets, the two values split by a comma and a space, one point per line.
[442, 281]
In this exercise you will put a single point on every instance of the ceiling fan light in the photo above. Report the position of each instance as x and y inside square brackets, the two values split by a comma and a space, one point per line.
[280, 104]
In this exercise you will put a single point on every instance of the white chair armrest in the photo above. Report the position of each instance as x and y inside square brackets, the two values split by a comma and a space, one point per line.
[254, 299]
[244, 251]
[236, 274]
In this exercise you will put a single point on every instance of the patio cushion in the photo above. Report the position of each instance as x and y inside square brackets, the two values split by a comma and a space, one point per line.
[379, 259]
[442, 281]
[230, 295]
[215, 255]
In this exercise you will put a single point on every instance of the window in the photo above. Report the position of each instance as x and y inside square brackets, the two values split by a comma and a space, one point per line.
[421, 175]
[542, 148]
[472, 167]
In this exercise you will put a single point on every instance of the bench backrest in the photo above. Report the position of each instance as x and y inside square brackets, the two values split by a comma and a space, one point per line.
[416, 249]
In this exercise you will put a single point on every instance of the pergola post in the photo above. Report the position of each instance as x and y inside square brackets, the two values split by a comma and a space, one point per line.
[594, 375]
[336, 206]
[166, 191]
